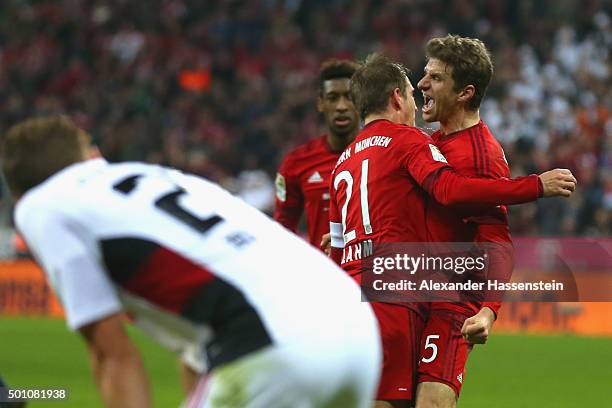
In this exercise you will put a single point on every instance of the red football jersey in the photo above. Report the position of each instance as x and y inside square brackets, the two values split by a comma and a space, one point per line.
[302, 184]
[380, 184]
[473, 152]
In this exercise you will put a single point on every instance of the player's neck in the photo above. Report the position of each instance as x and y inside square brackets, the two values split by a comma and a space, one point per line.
[461, 120]
[338, 143]
[391, 116]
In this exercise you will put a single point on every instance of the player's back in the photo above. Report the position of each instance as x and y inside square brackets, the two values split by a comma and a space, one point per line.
[376, 197]
[190, 261]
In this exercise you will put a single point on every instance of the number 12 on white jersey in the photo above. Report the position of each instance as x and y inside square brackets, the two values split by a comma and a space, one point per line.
[346, 176]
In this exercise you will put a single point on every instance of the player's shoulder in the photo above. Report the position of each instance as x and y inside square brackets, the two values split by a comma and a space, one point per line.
[132, 168]
[479, 133]
[41, 206]
[58, 193]
[475, 136]
[487, 134]
[436, 136]
[411, 135]
[483, 139]
[312, 147]
[315, 153]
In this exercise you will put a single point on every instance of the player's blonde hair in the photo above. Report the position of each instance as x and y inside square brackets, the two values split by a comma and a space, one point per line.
[34, 150]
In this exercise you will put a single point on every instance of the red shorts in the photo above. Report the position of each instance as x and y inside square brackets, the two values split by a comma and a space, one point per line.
[444, 351]
[400, 331]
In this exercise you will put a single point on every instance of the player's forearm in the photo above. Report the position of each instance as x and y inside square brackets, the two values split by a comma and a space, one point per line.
[189, 377]
[494, 306]
[450, 188]
[122, 381]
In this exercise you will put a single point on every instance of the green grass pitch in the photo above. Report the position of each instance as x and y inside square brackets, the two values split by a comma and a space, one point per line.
[509, 372]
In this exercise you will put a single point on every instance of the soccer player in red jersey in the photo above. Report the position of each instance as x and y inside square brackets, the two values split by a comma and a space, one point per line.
[379, 191]
[302, 181]
[456, 77]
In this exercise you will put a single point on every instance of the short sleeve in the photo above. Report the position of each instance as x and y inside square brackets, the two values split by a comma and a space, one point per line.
[72, 268]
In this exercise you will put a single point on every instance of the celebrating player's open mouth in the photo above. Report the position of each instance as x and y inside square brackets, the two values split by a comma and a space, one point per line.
[428, 104]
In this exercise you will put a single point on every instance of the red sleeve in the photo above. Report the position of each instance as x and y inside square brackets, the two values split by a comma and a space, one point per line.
[422, 159]
[289, 203]
[450, 188]
[483, 156]
[494, 306]
[429, 168]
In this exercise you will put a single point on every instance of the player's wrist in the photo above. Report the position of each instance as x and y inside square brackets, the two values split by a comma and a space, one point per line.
[488, 313]
[540, 187]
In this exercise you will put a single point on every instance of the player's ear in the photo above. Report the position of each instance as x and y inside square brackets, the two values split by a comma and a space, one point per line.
[396, 99]
[466, 94]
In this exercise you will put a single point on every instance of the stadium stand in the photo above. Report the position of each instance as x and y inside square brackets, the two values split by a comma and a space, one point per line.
[224, 88]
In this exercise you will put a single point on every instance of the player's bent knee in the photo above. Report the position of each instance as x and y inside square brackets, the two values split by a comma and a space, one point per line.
[435, 395]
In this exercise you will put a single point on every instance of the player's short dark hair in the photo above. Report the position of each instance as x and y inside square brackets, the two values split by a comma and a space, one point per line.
[471, 62]
[336, 69]
[34, 150]
[374, 82]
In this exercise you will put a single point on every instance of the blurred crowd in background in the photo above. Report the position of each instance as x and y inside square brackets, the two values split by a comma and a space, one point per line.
[224, 89]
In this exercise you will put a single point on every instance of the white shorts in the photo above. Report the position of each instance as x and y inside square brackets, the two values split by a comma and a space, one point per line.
[331, 372]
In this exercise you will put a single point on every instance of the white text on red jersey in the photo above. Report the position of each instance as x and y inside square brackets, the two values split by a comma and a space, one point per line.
[360, 146]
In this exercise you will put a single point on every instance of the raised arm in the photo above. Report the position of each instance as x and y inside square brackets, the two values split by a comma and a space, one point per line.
[450, 188]
[431, 171]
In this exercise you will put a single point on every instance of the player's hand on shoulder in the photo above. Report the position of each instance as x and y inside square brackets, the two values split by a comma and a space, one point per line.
[558, 183]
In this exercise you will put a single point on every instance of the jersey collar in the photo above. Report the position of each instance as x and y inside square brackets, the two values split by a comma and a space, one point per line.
[439, 136]
[376, 121]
